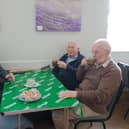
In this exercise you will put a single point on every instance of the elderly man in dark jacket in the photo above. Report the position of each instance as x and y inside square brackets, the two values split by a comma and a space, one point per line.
[99, 82]
[66, 67]
[4, 76]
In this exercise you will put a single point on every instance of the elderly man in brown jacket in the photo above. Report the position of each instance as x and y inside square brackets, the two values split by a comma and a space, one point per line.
[100, 79]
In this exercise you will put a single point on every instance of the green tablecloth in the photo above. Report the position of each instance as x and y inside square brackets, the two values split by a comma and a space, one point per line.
[49, 87]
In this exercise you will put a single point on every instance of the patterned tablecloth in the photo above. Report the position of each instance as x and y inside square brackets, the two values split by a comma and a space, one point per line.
[49, 88]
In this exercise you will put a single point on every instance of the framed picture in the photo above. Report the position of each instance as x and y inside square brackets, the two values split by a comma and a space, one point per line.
[58, 15]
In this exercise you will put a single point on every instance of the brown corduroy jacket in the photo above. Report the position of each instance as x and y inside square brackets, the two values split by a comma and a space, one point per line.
[98, 85]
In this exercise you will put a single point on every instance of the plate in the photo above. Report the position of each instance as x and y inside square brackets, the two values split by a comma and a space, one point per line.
[31, 85]
[30, 95]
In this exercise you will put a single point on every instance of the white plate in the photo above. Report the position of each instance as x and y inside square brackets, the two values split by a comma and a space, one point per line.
[32, 85]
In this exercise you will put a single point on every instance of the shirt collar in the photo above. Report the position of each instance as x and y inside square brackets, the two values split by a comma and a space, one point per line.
[104, 65]
[74, 57]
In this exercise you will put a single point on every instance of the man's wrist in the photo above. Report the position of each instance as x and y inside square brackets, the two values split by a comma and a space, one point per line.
[6, 76]
[75, 94]
[65, 66]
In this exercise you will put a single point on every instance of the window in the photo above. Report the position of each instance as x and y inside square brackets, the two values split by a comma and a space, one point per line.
[118, 25]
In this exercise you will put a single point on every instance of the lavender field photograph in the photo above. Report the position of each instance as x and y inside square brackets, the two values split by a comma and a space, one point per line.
[58, 15]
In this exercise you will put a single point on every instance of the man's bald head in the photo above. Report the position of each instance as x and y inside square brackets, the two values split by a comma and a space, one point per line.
[101, 50]
[103, 44]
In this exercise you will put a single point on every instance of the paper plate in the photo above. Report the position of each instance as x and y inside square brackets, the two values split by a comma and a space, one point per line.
[30, 95]
[32, 85]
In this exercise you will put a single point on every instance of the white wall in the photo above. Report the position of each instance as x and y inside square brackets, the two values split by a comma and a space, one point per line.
[22, 47]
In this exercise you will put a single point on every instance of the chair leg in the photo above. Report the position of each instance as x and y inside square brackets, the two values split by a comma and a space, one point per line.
[126, 114]
[75, 126]
[104, 126]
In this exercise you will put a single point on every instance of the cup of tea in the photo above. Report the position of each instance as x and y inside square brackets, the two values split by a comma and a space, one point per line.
[30, 81]
[90, 61]
[54, 63]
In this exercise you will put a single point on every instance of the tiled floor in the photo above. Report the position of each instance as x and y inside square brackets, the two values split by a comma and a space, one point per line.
[115, 122]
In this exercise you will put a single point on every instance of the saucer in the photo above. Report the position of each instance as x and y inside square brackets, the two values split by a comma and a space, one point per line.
[31, 85]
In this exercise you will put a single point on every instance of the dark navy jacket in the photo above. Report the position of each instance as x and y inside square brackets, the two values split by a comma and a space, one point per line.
[68, 76]
[3, 73]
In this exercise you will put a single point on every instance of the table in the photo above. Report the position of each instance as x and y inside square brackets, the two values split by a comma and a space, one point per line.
[49, 88]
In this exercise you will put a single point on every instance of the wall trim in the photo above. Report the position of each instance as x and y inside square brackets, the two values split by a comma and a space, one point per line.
[25, 64]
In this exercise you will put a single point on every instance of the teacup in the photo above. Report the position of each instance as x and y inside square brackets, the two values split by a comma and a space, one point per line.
[90, 61]
[31, 81]
[54, 63]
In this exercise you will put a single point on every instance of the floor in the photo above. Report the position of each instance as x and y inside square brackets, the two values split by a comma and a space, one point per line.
[115, 122]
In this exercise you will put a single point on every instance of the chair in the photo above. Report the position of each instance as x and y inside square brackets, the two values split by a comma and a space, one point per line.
[104, 117]
[126, 113]
[125, 74]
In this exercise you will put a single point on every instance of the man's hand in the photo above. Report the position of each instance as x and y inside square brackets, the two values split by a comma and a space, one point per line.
[68, 94]
[10, 77]
[61, 64]
[84, 62]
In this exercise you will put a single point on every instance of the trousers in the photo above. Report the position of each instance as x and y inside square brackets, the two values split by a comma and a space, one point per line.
[58, 117]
